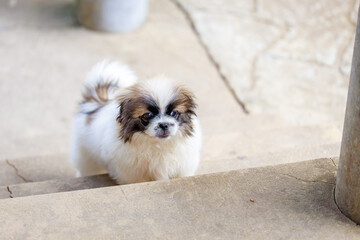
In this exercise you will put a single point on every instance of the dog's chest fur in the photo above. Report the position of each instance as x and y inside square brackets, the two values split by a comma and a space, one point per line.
[148, 161]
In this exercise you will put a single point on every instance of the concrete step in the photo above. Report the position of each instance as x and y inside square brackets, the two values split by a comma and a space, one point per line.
[291, 201]
[35, 169]
[221, 152]
[289, 155]
[260, 140]
[57, 185]
[220, 165]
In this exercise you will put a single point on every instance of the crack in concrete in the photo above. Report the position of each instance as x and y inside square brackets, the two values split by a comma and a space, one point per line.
[122, 190]
[210, 57]
[254, 62]
[10, 192]
[333, 162]
[17, 172]
[301, 60]
[304, 180]
[339, 58]
[270, 22]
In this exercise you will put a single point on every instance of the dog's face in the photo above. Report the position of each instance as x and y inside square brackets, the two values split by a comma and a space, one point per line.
[157, 108]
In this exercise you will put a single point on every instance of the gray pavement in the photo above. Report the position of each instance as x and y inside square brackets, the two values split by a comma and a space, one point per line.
[289, 58]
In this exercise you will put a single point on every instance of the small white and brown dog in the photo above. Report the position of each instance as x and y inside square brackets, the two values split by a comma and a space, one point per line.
[135, 130]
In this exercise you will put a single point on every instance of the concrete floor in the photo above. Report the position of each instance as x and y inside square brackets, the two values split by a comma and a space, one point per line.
[271, 79]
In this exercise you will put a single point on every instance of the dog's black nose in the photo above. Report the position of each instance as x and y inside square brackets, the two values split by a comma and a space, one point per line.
[163, 126]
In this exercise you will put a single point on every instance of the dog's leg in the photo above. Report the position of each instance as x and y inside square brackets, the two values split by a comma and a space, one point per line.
[85, 164]
[88, 167]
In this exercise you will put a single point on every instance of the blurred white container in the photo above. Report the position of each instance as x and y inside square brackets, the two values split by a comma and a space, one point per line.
[112, 15]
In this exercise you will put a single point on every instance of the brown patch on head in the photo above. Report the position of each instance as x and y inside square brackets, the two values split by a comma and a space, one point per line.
[98, 94]
[140, 110]
[184, 103]
[133, 104]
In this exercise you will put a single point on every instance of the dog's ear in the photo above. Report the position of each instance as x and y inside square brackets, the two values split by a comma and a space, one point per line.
[189, 101]
[123, 102]
[127, 118]
[124, 117]
[185, 102]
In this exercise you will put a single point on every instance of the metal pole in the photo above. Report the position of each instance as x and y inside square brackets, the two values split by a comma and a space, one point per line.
[347, 191]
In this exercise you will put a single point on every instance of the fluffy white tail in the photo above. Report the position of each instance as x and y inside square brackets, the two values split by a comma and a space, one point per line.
[101, 82]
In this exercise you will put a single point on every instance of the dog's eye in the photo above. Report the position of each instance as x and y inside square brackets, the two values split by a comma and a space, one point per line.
[147, 116]
[174, 113]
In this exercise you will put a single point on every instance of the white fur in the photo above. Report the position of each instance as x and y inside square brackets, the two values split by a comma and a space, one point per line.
[112, 72]
[96, 147]
[107, 71]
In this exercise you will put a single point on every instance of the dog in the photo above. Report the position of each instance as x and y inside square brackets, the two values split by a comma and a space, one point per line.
[135, 131]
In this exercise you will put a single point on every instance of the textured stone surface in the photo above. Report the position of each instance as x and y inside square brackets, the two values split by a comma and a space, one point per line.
[35, 169]
[288, 58]
[303, 95]
[59, 185]
[236, 61]
[294, 13]
[293, 201]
